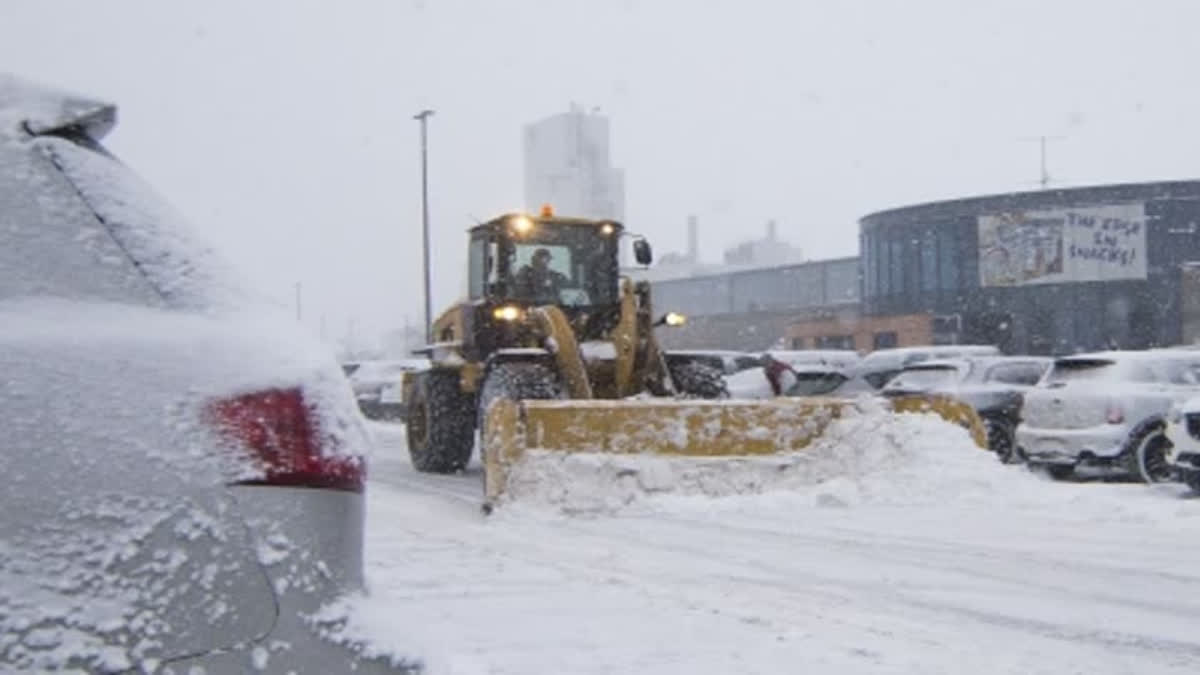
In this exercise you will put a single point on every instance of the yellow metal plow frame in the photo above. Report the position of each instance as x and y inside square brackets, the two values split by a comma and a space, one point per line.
[674, 427]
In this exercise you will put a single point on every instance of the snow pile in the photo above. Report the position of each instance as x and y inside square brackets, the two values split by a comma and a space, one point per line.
[870, 456]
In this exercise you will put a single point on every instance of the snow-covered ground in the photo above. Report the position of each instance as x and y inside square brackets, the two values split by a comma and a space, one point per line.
[924, 555]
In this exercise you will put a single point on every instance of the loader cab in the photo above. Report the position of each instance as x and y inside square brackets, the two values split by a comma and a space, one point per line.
[519, 261]
[532, 261]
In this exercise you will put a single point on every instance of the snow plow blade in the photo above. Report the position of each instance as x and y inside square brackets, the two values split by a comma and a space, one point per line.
[949, 409]
[670, 427]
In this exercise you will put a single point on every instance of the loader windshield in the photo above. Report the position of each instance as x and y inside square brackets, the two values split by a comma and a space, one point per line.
[568, 265]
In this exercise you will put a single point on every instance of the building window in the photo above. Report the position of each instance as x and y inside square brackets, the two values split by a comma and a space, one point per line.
[886, 340]
[949, 259]
[881, 265]
[797, 343]
[868, 263]
[929, 260]
[896, 265]
[834, 342]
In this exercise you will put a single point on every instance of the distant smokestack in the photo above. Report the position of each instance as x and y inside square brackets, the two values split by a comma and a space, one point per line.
[771, 230]
[693, 250]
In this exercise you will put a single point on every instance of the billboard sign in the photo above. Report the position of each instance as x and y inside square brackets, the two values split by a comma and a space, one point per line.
[1095, 243]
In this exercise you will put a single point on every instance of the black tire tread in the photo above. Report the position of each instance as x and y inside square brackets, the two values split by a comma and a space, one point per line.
[448, 420]
[694, 379]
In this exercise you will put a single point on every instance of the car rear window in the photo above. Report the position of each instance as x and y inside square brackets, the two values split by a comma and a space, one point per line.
[1078, 370]
[1016, 373]
[154, 240]
[52, 244]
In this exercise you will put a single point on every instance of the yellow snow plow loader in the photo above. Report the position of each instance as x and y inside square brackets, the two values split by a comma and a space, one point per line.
[554, 349]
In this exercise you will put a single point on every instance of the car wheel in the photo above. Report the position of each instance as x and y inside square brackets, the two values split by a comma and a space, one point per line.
[1150, 457]
[1001, 440]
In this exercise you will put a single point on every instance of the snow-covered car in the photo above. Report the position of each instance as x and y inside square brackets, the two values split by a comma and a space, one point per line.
[1107, 411]
[379, 388]
[836, 358]
[847, 376]
[1183, 433]
[727, 362]
[993, 385]
[881, 365]
[183, 471]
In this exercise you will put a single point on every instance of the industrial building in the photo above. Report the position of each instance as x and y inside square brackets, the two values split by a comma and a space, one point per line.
[1043, 272]
[568, 165]
[753, 308]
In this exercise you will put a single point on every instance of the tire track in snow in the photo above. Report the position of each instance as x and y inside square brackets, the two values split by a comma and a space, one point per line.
[704, 577]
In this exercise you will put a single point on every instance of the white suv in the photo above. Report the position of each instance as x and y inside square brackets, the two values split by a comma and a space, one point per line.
[1106, 411]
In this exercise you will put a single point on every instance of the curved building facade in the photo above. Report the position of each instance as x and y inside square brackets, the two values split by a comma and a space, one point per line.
[1046, 272]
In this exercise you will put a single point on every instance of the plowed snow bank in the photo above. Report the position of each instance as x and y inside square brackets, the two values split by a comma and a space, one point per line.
[871, 456]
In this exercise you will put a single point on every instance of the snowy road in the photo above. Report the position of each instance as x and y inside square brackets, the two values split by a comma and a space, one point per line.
[1016, 575]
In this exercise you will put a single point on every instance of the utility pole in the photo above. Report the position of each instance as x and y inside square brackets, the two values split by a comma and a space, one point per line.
[1044, 176]
[423, 118]
[299, 315]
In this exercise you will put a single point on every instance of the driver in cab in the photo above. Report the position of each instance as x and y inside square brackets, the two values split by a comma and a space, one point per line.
[536, 282]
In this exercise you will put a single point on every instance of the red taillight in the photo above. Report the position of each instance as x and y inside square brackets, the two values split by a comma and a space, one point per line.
[277, 427]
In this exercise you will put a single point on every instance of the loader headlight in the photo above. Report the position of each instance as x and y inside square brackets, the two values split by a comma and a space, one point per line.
[607, 229]
[672, 319]
[507, 313]
[521, 225]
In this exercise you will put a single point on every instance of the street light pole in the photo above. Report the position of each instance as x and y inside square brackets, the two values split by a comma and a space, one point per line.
[423, 118]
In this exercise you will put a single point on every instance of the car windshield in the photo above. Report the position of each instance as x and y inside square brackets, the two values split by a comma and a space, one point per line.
[564, 265]
[924, 378]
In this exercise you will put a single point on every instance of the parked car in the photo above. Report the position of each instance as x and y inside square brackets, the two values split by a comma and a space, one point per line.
[378, 387]
[881, 365]
[1183, 433]
[860, 376]
[994, 386]
[838, 358]
[1107, 411]
[728, 362]
[183, 471]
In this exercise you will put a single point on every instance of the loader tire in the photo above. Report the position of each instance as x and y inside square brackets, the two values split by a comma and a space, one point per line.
[441, 428]
[694, 379]
[517, 381]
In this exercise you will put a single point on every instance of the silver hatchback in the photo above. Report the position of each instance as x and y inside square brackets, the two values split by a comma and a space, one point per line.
[184, 472]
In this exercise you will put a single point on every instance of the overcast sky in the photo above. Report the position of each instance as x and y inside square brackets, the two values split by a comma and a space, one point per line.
[283, 129]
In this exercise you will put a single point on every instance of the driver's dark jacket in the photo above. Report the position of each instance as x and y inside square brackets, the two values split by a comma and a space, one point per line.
[539, 286]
